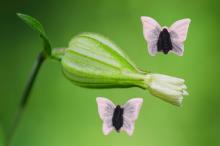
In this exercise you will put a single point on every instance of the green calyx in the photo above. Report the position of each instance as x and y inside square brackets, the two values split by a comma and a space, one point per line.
[92, 60]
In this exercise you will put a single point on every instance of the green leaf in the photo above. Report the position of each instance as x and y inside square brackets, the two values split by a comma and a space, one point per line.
[37, 26]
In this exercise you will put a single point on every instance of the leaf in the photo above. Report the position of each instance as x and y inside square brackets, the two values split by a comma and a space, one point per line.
[37, 26]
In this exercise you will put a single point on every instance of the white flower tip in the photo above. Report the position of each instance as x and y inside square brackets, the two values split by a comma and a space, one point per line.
[168, 88]
[179, 101]
[184, 87]
[185, 93]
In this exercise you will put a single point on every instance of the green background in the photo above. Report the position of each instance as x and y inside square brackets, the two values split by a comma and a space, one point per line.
[62, 114]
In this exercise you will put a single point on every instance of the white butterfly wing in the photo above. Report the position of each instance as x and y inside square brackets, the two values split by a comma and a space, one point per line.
[107, 127]
[178, 32]
[179, 29]
[128, 126]
[106, 110]
[151, 31]
[131, 111]
[178, 48]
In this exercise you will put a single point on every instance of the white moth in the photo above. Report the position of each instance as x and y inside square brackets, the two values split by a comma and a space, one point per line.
[164, 39]
[120, 118]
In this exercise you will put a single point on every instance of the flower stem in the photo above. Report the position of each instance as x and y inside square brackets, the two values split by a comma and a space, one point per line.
[58, 53]
[25, 96]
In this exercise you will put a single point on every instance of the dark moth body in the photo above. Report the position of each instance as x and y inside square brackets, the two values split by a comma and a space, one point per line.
[117, 119]
[164, 43]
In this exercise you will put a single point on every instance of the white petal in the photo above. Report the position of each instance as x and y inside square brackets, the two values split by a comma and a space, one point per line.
[166, 90]
[179, 101]
[169, 79]
[184, 86]
[171, 86]
[167, 94]
[185, 93]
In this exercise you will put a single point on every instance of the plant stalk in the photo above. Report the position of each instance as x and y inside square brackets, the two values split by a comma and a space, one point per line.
[25, 96]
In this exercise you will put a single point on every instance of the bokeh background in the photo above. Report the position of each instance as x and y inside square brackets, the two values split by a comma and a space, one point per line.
[60, 113]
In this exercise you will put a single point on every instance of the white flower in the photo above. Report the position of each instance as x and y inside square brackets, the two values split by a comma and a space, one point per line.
[168, 88]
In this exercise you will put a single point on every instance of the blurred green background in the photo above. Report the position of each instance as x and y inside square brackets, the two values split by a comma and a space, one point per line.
[60, 113]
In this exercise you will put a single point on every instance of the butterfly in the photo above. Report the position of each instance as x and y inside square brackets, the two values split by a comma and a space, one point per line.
[164, 39]
[119, 118]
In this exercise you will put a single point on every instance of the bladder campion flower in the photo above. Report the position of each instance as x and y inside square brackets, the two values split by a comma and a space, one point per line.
[93, 61]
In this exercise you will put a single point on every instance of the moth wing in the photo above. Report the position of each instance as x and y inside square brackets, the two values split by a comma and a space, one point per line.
[128, 126]
[151, 31]
[132, 108]
[179, 29]
[106, 110]
[107, 127]
[178, 48]
[131, 111]
[178, 33]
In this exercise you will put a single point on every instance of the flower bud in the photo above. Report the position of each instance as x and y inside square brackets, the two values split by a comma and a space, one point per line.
[93, 61]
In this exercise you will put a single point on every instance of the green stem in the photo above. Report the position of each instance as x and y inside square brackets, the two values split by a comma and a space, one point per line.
[25, 96]
[58, 53]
